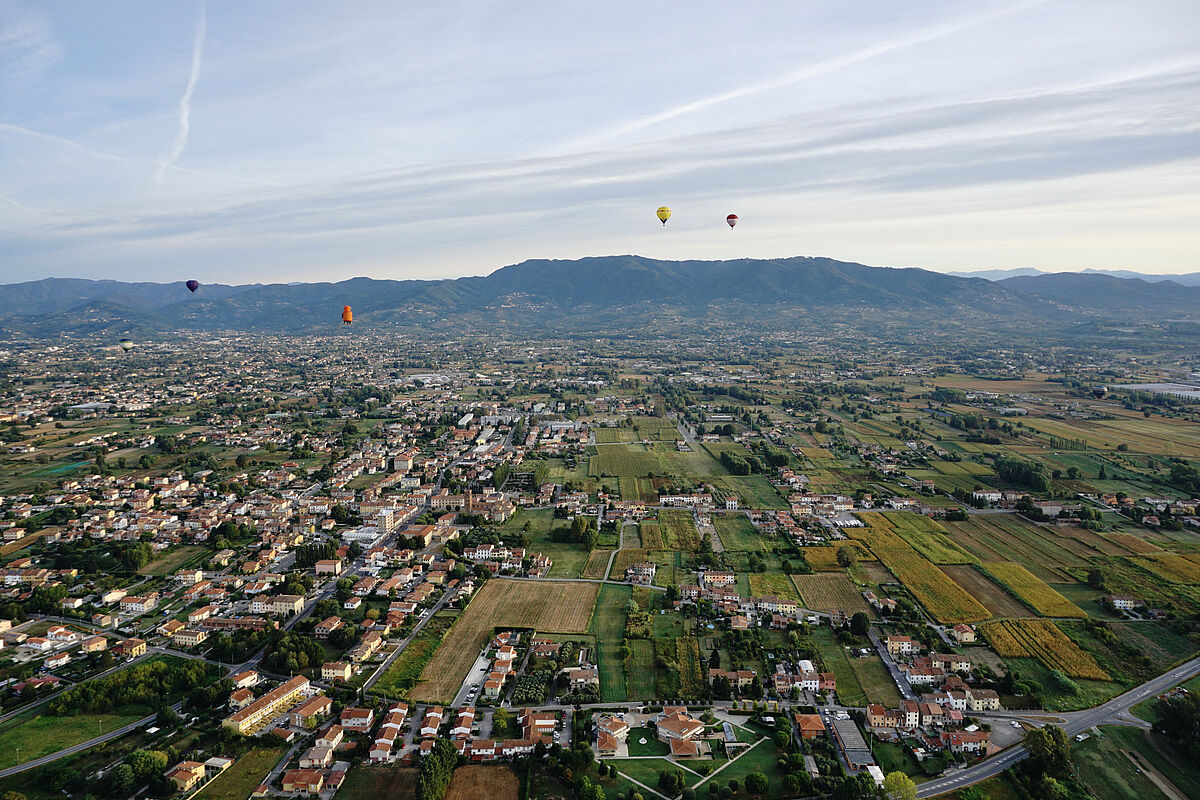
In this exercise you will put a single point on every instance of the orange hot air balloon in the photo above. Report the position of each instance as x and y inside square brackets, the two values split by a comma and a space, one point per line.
[347, 316]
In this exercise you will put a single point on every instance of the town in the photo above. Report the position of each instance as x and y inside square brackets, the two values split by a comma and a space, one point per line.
[256, 566]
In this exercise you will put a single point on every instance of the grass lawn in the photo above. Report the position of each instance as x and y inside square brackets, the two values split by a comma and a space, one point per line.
[640, 680]
[1111, 775]
[652, 747]
[608, 626]
[36, 735]
[893, 757]
[646, 770]
[762, 757]
[237, 782]
[875, 680]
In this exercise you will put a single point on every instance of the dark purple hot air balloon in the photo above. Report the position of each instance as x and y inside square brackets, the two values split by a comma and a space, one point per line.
[192, 285]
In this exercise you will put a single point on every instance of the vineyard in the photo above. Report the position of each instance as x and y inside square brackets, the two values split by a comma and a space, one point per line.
[829, 592]
[823, 558]
[1172, 566]
[1032, 590]
[624, 559]
[944, 599]
[653, 537]
[772, 584]
[1040, 639]
[596, 564]
[691, 678]
[926, 536]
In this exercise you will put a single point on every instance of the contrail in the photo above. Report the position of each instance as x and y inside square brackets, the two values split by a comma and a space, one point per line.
[168, 158]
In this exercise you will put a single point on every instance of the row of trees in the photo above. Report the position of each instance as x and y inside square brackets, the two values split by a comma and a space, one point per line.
[149, 684]
[436, 770]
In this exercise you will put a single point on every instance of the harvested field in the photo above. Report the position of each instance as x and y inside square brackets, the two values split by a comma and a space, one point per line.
[548, 607]
[1006, 537]
[830, 592]
[1042, 640]
[993, 596]
[1031, 590]
[596, 564]
[483, 783]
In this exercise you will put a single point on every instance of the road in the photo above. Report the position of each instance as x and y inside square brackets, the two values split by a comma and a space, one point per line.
[1114, 712]
[897, 676]
[382, 668]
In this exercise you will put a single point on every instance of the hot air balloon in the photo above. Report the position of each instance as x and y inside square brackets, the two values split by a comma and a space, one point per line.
[127, 344]
[732, 220]
[1099, 391]
[192, 285]
[664, 214]
[347, 316]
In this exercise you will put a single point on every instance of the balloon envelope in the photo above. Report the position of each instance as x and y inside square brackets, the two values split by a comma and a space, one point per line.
[126, 344]
[732, 220]
[663, 214]
[192, 285]
[347, 315]
[1100, 391]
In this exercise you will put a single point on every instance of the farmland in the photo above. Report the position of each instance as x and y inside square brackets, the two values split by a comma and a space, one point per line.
[624, 559]
[608, 626]
[1006, 537]
[737, 533]
[692, 681]
[772, 584]
[404, 673]
[945, 600]
[1040, 639]
[679, 528]
[477, 782]
[1031, 590]
[239, 781]
[378, 783]
[569, 558]
[830, 592]
[926, 536]
[823, 558]
[1172, 566]
[994, 597]
[597, 564]
[548, 607]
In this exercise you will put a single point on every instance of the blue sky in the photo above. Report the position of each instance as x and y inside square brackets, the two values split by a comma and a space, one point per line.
[277, 141]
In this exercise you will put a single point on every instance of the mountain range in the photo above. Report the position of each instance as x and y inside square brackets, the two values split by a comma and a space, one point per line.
[608, 293]
[1184, 279]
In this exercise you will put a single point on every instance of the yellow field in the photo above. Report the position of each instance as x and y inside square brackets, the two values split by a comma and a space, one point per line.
[772, 585]
[624, 559]
[1132, 543]
[543, 606]
[823, 558]
[1032, 590]
[1172, 566]
[1041, 639]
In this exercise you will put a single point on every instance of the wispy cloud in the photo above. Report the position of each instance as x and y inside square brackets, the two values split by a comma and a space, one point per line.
[26, 44]
[169, 158]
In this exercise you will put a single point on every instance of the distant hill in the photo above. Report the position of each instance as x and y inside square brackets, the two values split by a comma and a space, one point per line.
[1185, 279]
[601, 294]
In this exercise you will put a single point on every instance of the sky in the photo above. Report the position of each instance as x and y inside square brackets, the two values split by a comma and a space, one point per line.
[270, 141]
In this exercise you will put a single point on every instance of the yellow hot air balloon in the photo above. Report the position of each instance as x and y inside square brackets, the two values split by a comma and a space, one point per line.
[664, 214]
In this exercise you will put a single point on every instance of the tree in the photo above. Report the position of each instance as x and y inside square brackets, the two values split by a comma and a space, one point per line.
[898, 786]
[860, 624]
[1049, 751]
[756, 784]
[847, 556]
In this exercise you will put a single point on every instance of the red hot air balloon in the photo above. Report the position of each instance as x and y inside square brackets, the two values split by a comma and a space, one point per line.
[192, 285]
[732, 220]
[347, 316]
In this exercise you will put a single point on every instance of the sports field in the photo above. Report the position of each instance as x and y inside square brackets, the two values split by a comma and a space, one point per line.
[548, 607]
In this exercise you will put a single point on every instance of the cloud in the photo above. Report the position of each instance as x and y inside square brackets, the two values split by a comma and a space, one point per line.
[26, 44]
[169, 158]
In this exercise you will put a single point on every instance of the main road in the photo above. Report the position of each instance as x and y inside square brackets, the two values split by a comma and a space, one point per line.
[1115, 712]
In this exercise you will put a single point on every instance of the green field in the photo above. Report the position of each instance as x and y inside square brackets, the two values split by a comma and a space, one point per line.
[31, 735]
[569, 558]
[737, 533]
[849, 691]
[679, 527]
[1107, 770]
[175, 559]
[239, 781]
[608, 626]
[405, 672]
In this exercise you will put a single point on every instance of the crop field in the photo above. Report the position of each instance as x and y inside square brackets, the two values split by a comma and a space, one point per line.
[608, 626]
[478, 782]
[680, 529]
[639, 671]
[1172, 566]
[659, 429]
[621, 460]
[830, 592]
[692, 681]
[653, 536]
[1127, 576]
[405, 672]
[752, 491]
[1132, 543]
[612, 435]
[945, 600]
[823, 558]
[993, 596]
[772, 584]
[737, 533]
[636, 489]
[1032, 590]
[597, 564]
[926, 536]
[239, 781]
[549, 607]
[1040, 639]
[174, 560]
[1005, 537]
